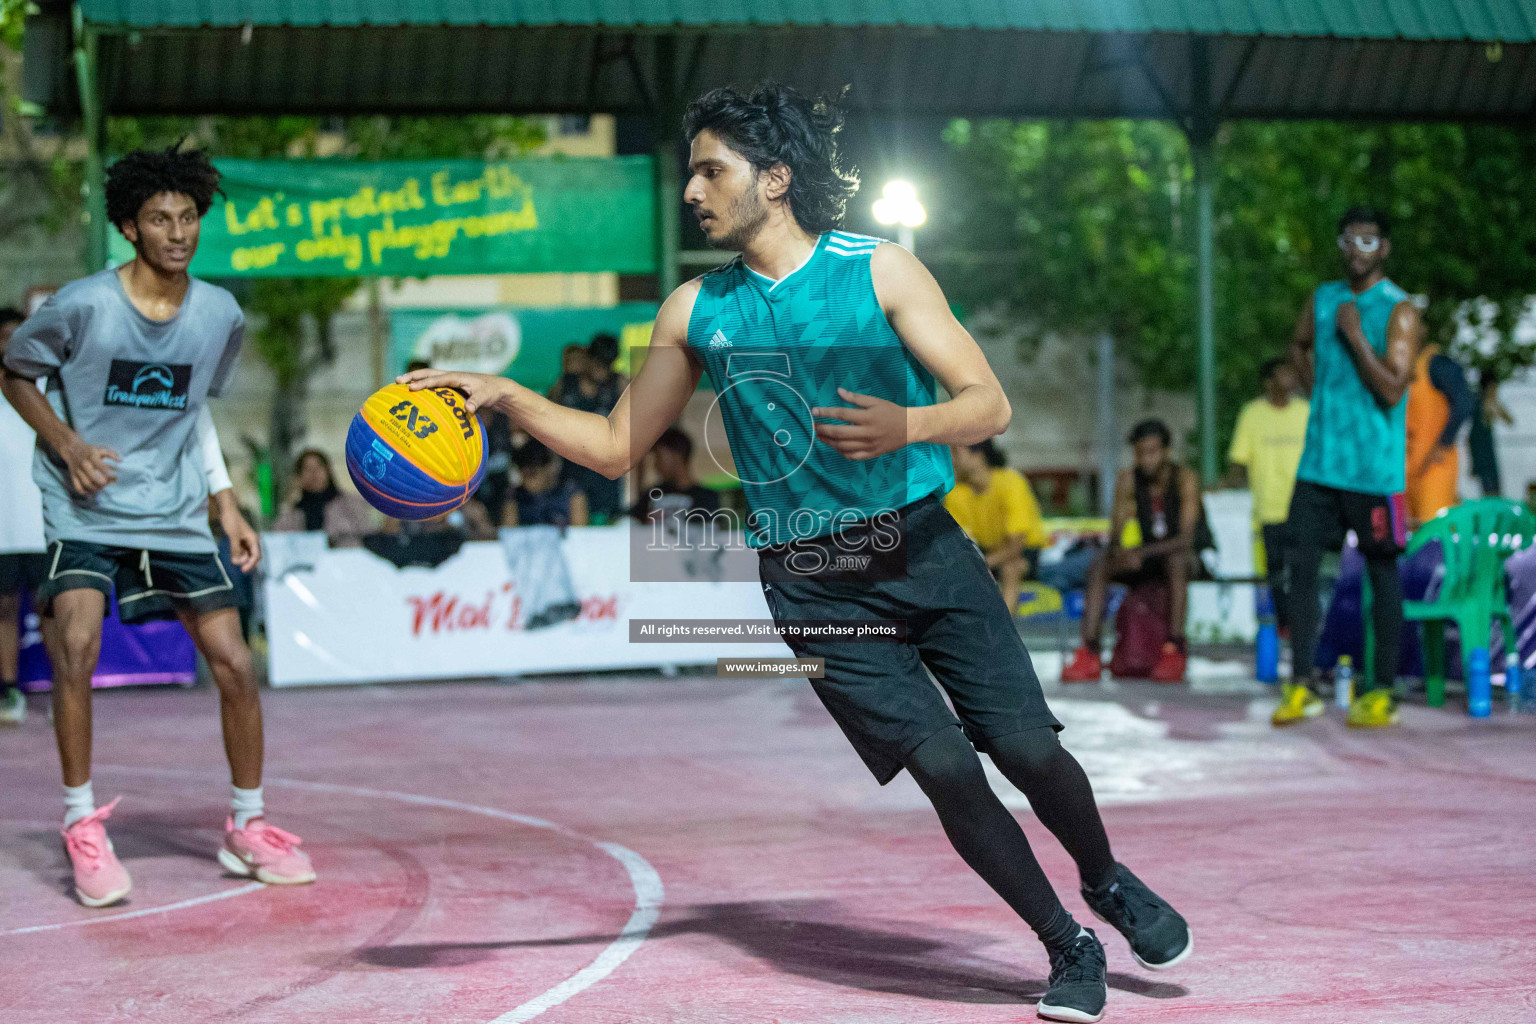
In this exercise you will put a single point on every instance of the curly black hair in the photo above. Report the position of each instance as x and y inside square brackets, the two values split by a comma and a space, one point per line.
[777, 125]
[139, 176]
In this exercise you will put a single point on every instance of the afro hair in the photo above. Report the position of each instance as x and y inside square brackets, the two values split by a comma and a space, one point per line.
[145, 173]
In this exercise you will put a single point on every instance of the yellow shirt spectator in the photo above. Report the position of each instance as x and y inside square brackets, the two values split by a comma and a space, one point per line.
[1006, 507]
[1268, 442]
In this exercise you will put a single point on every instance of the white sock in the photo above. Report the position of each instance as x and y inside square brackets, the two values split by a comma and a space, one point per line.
[79, 802]
[245, 805]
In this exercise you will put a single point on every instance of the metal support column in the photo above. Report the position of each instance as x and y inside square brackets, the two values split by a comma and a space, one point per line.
[1205, 160]
[668, 195]
[1202, 139]
[1108, 428]
[667, 118]
[95, 126]
[378, 334]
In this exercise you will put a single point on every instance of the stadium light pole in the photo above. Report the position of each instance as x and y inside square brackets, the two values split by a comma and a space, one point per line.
[898, 205]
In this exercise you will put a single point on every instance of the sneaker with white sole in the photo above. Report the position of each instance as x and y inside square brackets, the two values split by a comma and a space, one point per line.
[266, 853]
[1158, 936]
[100, 878]
[1077, 989]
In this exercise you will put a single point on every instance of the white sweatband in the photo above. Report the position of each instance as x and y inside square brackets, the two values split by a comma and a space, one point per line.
[213, 456]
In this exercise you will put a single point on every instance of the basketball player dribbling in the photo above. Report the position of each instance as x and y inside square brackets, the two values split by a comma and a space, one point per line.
[765, 181]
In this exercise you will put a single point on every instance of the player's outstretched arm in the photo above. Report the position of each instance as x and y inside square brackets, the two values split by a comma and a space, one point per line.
[915, 306]
[610, 444]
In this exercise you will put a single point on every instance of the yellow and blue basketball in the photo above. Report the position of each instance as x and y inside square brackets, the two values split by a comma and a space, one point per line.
[415, 454]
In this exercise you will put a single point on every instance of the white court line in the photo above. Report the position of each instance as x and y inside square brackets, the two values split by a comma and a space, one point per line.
[649, 891]
[648, 896]
[194, 902]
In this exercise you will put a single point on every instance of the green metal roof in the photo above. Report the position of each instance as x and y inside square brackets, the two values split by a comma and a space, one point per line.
[1185, 59]
[1486, 20]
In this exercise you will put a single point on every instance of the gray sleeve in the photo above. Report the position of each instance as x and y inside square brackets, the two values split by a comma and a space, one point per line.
[42, 343]
[224, 372]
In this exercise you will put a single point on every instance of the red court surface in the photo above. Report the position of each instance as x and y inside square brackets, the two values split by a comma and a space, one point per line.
[694, 851]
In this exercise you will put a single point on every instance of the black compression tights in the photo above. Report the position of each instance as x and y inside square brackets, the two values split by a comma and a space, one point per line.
[988, 838]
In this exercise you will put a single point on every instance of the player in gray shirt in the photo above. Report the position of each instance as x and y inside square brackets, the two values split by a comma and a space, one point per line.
[131, 356]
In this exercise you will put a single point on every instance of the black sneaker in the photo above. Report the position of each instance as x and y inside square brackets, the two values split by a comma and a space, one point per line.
[1159, 937]
[1076, 990]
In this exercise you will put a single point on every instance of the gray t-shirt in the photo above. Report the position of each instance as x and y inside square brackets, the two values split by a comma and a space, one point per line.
[134, 385]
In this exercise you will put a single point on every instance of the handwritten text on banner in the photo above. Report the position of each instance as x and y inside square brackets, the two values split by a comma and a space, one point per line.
[337, 218]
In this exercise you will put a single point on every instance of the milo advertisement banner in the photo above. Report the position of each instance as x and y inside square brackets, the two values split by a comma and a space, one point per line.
[524, 344]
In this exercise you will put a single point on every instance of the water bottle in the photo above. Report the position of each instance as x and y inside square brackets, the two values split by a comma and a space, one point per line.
[1267, 655]
[1479, 686]
[1512, 680]
[1344, 682]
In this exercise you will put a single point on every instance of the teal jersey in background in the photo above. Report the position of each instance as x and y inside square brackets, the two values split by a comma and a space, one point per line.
[1352, 442]
[776, 350]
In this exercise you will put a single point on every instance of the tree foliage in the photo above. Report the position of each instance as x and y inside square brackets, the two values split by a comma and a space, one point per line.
[13, 22]
[1089, 215]
[40, 188]
[1096, 223]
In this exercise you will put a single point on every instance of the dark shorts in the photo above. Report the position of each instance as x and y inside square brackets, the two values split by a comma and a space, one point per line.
[150, 585]
[22, 571]
[957, 627]
[1321, 516]
[1153, 570]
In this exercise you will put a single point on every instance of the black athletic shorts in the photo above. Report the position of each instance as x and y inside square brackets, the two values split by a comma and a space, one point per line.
[1153, 570]
[22, 571]
[957, 626]
[1320, 516]
[150, 585]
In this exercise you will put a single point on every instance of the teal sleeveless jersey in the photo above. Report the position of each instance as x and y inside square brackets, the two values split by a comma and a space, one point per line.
[1352, 442]
[775, 351]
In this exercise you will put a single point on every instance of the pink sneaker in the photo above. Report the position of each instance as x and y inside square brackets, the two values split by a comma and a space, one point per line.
[266, 853]
[100, 878]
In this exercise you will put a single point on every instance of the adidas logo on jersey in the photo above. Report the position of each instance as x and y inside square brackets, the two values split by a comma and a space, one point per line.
[719, 341]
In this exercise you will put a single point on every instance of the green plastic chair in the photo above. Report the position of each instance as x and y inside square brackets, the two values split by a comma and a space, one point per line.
[1475, 539]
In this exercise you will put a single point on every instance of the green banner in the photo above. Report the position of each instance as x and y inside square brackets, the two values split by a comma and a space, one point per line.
[524, 344]
[339, 218]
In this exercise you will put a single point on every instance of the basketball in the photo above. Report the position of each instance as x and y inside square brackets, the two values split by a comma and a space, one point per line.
[415, 454]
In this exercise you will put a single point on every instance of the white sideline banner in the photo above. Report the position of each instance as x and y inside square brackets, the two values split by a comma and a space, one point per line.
[348, 616]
